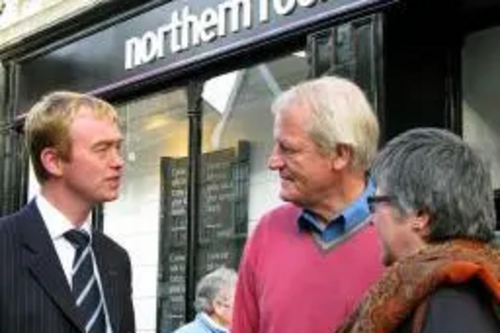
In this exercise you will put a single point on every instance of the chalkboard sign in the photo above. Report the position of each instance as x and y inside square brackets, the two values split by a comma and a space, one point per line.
[222, 226]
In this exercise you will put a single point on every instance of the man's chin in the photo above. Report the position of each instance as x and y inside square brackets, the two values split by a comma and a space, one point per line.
[285, 196]
[109, 197]
[297, 201]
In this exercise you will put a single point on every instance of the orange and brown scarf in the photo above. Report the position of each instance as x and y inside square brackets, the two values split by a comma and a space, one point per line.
[406, 285]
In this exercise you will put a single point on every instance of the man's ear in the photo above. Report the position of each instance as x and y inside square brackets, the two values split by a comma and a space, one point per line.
[342, 157]
[51, 161]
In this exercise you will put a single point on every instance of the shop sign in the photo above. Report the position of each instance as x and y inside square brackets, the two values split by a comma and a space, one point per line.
[175, 37]
[186, 29]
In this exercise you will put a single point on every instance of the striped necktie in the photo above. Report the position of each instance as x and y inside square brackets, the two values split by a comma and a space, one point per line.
[85, 287]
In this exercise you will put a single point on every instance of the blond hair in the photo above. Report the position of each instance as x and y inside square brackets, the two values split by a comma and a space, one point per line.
[48, 122]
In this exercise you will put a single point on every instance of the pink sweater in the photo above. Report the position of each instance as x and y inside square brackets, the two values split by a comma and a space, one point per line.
[287, 284]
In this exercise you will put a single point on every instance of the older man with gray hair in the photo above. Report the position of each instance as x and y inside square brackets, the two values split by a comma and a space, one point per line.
[309, 261]
[213, 303]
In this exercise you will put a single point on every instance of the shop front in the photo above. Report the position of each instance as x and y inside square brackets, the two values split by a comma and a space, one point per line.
[193, 82]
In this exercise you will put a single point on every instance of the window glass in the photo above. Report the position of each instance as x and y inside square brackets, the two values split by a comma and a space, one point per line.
[153, 127]
[350, 50]
[481, 96]
[241, 113]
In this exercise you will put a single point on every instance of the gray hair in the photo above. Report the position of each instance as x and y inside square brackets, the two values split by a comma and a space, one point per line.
[211, 285]
[339, 114]
[434, 171]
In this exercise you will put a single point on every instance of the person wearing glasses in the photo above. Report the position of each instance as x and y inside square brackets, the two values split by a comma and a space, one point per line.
[213, 303]
[434, 213]
[310, 260]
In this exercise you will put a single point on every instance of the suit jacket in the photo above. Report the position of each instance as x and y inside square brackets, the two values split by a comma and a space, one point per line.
[35, 296]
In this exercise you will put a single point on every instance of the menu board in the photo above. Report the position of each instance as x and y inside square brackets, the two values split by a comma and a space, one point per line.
[222, 226]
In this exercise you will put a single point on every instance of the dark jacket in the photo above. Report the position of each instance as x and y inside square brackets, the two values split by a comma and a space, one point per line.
[457, 309]
[35, 296]
[446, 287]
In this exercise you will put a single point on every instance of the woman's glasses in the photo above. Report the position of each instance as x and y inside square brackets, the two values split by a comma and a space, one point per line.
[376, 199]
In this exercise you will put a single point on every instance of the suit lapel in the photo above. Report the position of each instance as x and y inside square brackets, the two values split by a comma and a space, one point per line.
[43, 262]
[109, 278]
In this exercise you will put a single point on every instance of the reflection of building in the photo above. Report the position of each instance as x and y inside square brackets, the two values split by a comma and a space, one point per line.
[416, 67]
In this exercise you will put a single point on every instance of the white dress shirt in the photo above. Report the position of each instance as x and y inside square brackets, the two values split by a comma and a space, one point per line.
[57, 224]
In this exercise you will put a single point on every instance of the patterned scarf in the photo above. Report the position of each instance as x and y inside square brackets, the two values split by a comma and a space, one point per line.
[407, 284]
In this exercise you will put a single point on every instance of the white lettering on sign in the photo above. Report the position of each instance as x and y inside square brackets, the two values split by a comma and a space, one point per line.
[186, 29]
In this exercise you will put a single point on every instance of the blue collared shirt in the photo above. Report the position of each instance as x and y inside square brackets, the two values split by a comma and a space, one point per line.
[342, 224]
[202, 324]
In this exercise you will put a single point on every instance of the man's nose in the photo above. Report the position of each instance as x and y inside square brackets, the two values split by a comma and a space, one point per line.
[117, 159]
[275, 160]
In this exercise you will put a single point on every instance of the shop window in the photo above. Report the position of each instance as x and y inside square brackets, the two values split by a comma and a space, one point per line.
[481, 96]
[481, 99]
[237, 110]
[13, 191]
[236, 187]
[351, 50]
[153, 126]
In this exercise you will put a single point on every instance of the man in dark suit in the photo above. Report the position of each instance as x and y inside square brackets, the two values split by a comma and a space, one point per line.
[56, 273]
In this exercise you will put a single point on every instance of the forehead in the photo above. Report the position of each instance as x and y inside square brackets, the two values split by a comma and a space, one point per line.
[227, 292]
[87, 112]
[293, 112]
[292, 121]
[86, 124]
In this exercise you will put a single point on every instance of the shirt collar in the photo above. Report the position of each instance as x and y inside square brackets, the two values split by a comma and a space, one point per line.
[358, 211]
[355, 213]
[57, 224]
[210, 323]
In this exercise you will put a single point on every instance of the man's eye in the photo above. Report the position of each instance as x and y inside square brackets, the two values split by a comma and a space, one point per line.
[101, 149]
[285, 149]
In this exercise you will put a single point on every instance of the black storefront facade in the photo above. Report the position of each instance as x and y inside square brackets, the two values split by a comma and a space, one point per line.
[193, 81]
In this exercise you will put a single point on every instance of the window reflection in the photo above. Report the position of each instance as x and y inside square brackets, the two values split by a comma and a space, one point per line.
[153, 126]
[481, 96]
[237, 108]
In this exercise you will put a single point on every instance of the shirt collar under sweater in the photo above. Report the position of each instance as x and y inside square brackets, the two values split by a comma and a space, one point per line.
[351, 217]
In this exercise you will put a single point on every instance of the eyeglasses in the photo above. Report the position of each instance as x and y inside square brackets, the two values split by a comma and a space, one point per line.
[373, 200]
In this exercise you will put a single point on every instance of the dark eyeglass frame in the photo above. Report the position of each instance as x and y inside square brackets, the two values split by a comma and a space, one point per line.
[373, 200]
